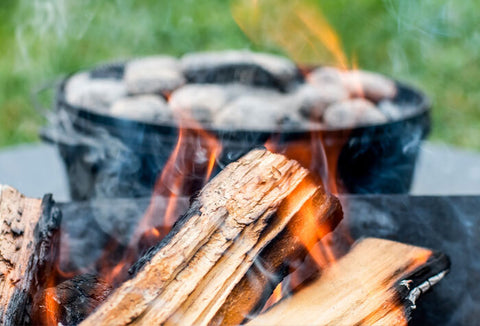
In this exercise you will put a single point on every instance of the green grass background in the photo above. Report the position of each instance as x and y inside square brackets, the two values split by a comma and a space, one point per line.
[432, 44]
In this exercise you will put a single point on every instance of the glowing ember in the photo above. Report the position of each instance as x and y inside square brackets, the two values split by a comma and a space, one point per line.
[51, 308]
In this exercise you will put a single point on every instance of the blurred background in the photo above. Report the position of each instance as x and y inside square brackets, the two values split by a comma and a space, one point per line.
[432, 44]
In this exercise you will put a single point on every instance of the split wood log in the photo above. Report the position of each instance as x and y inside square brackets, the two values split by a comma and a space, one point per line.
[322, 212]
[28, 250]
[376, 283]
[188, 276]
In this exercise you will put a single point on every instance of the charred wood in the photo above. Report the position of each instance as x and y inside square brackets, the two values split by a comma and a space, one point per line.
[71, 301]
[28, 250]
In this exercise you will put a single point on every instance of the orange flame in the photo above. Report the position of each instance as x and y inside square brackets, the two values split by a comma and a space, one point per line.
[188, 168]
[276, 296]
[298, 28]
[305, 35]
[51, 307]
[355, 82]
[303, 32]
[195, 155]
[318, 25]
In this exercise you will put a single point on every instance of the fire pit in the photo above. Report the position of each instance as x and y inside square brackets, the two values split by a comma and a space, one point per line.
[263, 228]
[113, 154]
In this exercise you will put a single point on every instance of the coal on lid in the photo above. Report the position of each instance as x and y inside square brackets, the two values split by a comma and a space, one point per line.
[237, 89]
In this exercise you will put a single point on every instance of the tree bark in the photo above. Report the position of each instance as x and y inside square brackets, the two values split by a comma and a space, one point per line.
[28, 250]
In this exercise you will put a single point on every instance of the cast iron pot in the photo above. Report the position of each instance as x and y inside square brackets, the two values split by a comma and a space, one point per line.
[106, 156]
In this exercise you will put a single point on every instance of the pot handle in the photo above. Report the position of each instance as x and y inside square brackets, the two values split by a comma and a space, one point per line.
[59, 130]
[37, 92]
[55, 135]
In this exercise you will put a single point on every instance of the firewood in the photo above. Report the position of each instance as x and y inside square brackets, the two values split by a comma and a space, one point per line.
[28, 249]
[188, 276]
[257, 285]
[376, 283]
[74, 299]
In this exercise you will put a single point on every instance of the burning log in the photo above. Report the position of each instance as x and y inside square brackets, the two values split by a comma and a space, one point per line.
[376, 283]
[74, 300]
[251, 293]
[28, 249]
[253, 206]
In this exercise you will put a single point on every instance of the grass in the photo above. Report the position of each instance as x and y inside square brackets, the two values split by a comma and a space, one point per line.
[432, 44]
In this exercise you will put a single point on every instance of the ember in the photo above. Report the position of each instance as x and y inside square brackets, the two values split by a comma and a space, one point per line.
[221, 84]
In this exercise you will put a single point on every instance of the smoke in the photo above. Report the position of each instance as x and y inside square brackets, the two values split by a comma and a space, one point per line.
[430, 32]
[430, 18]
[43, 24]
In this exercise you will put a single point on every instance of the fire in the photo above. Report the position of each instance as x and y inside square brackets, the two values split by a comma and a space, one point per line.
[312, 236]
[298, 28]
[188, 168]
[272, 144]
[193, 158]
[357, 85]
[318, 25]
[51, 308]
[274, 298]
[304, 33]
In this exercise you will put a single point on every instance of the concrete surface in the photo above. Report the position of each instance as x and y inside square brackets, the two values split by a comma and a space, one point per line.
[34, 169]
[446, 170]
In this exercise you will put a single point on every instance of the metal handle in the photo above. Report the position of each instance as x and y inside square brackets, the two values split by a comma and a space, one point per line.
[56, 135]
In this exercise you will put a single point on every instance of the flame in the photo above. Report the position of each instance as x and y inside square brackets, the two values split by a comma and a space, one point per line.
[311, 234]
[355, 81]
[305, 34]
[188, 168]
[272, 144]
[299, 28]
[195, 155]
[276, 296]
[51, 307]
[318, 25]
